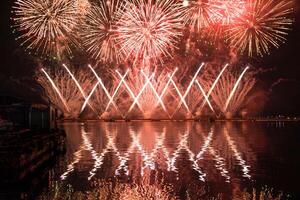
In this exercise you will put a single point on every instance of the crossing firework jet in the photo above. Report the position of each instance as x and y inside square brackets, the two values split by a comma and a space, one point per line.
[46, 26]
[263, 26]
[149, 30]
[147, 88]
[99, 31]
[232, 88]
[62, 90]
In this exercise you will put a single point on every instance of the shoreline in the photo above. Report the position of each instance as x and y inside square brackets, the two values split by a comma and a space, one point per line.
[177, 120]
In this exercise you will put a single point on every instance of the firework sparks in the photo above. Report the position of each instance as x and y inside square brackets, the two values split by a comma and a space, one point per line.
[56, 90]
[82, 6]
[141, 92]
[46, 26]
[214, 84]
[117, 89]
[182, 97]
[231, 90]
[204, 95]
[224, 91]
[199, 14]
[264, 25]
[104, 89]
[227, 11]
[79, 87]
[62, 90]
[149, 30]
[99, 31]
[234, 88]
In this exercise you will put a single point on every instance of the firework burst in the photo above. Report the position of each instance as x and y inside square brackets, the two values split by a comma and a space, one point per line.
[264, 25]
[149, 30]
[46, 25]
[199, 14]
[82, 6]
[99, 31]
[227, 11]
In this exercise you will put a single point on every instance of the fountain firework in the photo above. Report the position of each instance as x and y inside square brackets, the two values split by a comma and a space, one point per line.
[139, 92]
[63, 91]
[230, 92]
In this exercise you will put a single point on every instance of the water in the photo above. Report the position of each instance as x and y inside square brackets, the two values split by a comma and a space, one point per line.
[196, 160]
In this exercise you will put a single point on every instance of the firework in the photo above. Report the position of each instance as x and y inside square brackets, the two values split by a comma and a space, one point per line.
[82, 7]
[99, 31]
[264, 25]
[147, 88]
[63, 92]
[230, 93]
[149, 30]
[105, 90]
[46, 26]
[199, 14]
[227, 11]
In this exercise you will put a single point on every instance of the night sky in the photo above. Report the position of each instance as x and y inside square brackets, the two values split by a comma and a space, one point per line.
[285, 99]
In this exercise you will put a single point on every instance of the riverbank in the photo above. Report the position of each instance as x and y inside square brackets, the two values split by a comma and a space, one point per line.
[180, 120]
[25, 156]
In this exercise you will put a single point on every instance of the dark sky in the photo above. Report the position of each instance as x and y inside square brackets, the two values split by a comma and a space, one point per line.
[285, 98]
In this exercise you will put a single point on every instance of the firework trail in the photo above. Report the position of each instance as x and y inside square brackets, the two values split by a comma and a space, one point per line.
[46, 26]
[55, 89]
[147, 89]
[79, 87]
[182, 97]
[99, 31]
[63, 92]
[149, 30]
[263, 26]
[232, 89]
[104, 88]
[277, 82]
[224, 89]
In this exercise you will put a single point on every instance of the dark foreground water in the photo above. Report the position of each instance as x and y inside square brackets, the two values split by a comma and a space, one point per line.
[192, 160]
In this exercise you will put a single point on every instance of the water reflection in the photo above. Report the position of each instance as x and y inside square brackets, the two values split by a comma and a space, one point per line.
[141, 149]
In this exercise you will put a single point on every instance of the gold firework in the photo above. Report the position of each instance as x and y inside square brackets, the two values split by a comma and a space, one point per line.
[149, 30]
[46, 26]
[99, 31]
